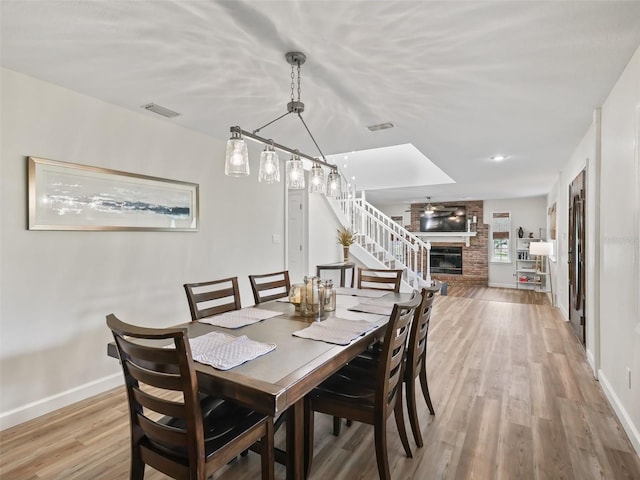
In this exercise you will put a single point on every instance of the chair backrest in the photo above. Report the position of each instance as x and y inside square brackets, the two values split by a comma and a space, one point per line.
[417, 346]
[391, 366]
[270, 286]
[212, 298]
[150, 371]
[379, 279]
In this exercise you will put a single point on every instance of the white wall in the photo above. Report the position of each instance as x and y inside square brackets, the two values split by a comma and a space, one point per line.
[323, 235]
[57, 287]
[620, 249]
[609, 151]
[528, 213]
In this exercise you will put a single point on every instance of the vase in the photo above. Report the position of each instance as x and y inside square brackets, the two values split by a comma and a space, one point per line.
[520, 232]
[345, 253]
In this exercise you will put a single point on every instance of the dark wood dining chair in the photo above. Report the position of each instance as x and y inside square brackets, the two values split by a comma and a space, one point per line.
[212, 298]
[416, 360]
[270, 286]
[174, 429]
[380, 279]
[346, 396]
[366, 364]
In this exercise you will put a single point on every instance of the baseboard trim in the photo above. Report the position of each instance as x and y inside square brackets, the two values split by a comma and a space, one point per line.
[33, 410]
[592, 362]
[501, 285]
[623, 416]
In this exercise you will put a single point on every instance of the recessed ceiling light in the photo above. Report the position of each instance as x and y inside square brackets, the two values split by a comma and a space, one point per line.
[498, 158]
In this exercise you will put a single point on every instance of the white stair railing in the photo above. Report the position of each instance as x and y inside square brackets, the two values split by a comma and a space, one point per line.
[385, 239]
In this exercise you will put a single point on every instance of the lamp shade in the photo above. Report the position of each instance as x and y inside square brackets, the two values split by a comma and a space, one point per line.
[334, 188]
[269, 165]
[316, 181]
[543, 249]
[237, 158]
[295, 173]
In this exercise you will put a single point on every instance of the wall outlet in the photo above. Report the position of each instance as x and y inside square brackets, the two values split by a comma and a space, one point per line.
[275, 238]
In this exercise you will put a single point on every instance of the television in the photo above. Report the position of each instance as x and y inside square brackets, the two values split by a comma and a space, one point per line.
[447, 219]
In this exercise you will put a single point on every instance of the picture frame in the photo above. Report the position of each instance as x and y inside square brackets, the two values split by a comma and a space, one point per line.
[68, 196]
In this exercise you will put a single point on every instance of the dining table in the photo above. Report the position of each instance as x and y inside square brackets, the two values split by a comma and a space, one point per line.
[277, 382]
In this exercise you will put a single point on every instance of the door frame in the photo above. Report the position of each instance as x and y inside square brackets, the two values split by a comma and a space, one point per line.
[582, 178]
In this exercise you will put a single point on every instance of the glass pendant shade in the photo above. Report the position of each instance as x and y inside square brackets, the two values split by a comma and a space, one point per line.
[269, 165]
[237, 160]
[295, 173]
[333, 184]
[316, 182]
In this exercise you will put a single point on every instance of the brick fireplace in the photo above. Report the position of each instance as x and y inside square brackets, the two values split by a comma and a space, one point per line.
[475, 257]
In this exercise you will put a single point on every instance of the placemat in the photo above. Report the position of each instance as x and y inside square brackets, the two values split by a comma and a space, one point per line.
[223, 351]
[360, 292]
[335, 330]
[240, 318]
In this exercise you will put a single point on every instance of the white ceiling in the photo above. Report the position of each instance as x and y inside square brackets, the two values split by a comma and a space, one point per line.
[460, 80]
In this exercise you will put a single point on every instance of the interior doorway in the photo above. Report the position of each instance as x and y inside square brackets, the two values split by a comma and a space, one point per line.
[577, 257]
[296, 239]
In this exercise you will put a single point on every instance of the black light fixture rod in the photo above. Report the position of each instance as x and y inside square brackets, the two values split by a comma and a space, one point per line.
[266, 141]
[314, 140]
[272, 121]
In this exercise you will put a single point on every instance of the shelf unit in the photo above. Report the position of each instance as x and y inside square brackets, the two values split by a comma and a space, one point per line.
[528, 268]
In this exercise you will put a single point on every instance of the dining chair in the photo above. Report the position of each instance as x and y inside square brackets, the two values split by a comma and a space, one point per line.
[365, 365]
[380, 279]
[174, 429]
[212, 298]
[346, 396]
[270, 286]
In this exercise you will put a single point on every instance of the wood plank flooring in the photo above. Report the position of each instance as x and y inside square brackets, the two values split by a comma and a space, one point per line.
[514, 399]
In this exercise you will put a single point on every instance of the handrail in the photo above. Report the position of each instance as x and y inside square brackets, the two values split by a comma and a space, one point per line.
[388, 238]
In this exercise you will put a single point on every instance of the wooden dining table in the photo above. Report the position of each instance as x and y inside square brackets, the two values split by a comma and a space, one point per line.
[277, 382]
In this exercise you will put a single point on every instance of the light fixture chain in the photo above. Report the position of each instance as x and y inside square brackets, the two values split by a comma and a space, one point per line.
[293, 84]
[298, 81]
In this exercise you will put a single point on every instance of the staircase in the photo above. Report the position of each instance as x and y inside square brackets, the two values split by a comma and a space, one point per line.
[381, 242]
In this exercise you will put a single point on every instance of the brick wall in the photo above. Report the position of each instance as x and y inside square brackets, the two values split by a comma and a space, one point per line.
[475, 258]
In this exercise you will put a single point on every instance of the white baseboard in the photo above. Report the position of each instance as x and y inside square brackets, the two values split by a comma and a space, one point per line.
[592, 362]
[501, 285]
[622, 414]
[46, 405]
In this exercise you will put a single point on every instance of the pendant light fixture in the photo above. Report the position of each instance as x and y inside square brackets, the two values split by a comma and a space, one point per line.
[237, 158]
[334, 187]
[295, 173]
[316, 182]
[269, 165]
[237, 162]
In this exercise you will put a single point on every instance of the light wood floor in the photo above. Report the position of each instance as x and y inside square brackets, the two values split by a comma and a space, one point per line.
[514, 399]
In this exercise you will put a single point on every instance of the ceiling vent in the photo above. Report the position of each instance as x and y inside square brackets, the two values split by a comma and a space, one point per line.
[380, 126]
[165, 112]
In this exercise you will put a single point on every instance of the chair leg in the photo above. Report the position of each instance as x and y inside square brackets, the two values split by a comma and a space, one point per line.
[137, 465]
[412, 411]
[380, 434]
[399, 414]
[266, 452]
[425, 389]
[337, 424]
[308, 439]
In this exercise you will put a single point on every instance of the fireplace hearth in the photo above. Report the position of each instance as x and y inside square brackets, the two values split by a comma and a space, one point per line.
[446, 260]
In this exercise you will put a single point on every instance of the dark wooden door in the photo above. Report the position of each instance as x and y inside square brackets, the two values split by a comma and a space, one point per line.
[577, 291]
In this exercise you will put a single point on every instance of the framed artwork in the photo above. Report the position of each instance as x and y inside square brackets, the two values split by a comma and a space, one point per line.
[68, 196]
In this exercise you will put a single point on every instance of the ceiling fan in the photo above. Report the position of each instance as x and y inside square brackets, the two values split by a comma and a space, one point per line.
[430, 209]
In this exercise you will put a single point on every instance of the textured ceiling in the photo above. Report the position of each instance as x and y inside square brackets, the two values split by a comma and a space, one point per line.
[461, 81]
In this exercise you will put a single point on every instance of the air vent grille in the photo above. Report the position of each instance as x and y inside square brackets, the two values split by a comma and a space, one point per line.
[380, 126]
[165, 112]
